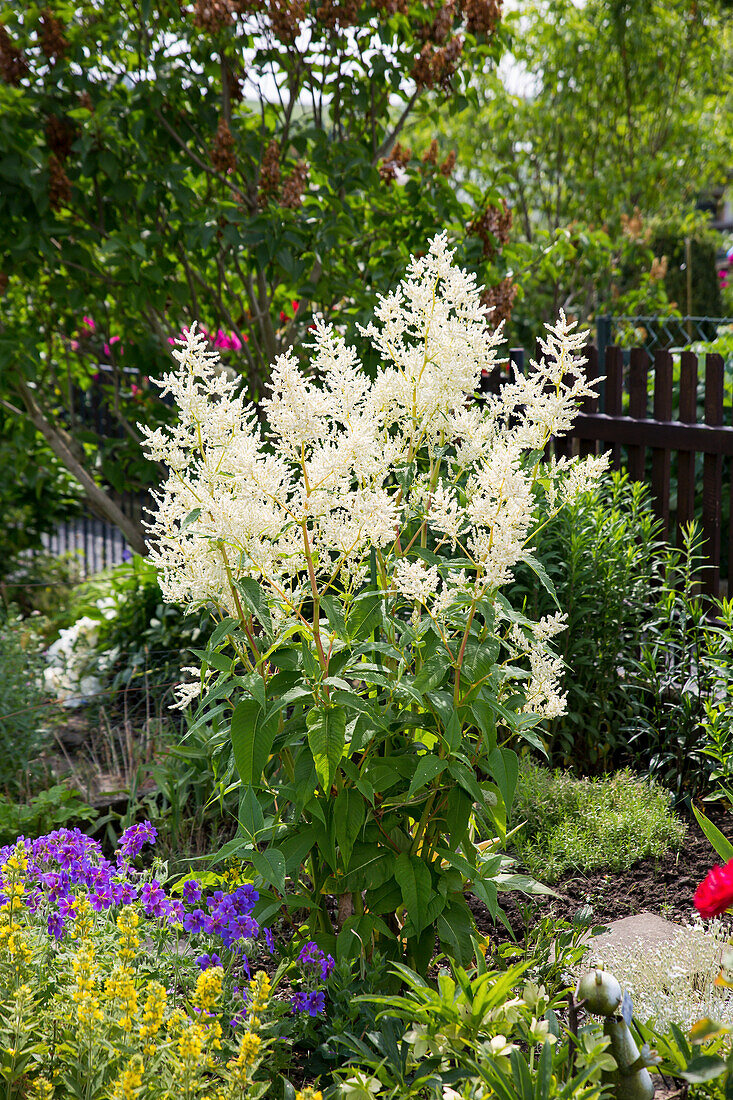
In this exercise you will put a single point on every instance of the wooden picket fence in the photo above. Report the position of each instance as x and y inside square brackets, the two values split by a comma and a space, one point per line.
[645, 427]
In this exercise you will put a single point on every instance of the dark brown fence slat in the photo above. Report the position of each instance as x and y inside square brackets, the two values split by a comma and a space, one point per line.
[614, 394]
[687, 438]
[638, 371]
[587, 447]
[661, 456]
[686, 460]
[712, 477]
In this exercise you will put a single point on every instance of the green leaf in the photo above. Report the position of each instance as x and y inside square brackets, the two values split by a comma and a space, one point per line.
[348, 818]
[251, 819]
[327, 740]
[428, 768]
[504, 767]
[723, 847]
[541, 573]
[256, 601]
[252, 738]
[270, 864]
[416, 888]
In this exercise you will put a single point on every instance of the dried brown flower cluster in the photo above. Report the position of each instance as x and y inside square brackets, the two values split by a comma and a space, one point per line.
[391, 7]
[501, 299]
[482, 16]
[338, 14]
[448, 164]
[59, 187]
[51, 34]
[632, 226]
[430, 156]
[269, 185]
[212, 16]
[59, 136]
[222, 153]
[400, 157]
[435, 66]
[294, 186]
[13, 65]
[438, 31]
[492, 227]
[286, 17]
[658, 269]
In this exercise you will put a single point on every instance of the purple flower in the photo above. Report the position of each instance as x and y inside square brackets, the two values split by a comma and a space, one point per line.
[312, 958]
[270, 941]
[153, 899]
[175, 912]
[205, 961]
[312, 1003]
[100, 899]
[133, 839]
[56, 926]
[194, 921]
[191, 891]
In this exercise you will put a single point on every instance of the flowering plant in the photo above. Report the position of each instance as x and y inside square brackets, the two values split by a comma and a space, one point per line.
[103, 992]
[354, 550]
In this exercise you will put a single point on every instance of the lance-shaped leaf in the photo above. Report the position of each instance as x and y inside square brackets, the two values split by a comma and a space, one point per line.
[327, 740]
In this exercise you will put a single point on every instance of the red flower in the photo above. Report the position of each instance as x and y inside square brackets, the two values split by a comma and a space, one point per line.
[715, 893]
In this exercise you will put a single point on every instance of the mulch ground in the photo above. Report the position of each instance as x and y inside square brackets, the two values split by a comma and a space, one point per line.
[665, 886]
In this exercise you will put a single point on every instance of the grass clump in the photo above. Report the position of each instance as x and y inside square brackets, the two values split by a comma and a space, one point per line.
[576, 824]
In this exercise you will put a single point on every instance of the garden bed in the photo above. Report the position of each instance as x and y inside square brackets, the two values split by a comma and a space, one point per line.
[663, 885]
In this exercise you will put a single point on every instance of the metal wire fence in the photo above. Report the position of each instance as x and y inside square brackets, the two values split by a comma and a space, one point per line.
[657, 333]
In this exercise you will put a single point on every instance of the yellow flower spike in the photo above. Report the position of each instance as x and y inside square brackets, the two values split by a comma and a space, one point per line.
[260, 987]
[120, 986]
[41, 1089]
[208, 988]
[309, 1094]
[127, 923]
[152, 1019]
[130, 1080]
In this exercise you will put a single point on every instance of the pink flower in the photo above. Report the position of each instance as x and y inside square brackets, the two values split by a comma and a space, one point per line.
[235, 343]
[135, 390]
[172, 339]
[89, 323]
[296, 306]
[114, 339]
[221, 340]
[74, 345]
[106, 349]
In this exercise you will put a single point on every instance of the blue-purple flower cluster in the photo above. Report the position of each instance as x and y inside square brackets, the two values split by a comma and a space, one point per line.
[67, 864]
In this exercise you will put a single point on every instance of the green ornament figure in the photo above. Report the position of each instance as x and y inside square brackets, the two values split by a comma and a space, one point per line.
[602, 996]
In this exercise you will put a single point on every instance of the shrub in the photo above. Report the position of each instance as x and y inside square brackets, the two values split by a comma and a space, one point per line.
[354, 550]
[24, 717]
[601, 554]
[584, 824]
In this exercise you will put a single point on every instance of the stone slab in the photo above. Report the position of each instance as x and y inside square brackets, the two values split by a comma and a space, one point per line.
[642, 929]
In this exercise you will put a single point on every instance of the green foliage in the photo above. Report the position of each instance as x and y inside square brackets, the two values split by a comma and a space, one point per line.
[54, 808]
[581, 131]
[478, 1032]
[136, 198]
[142, 642]
[586, 824]
[24, 715]
[668, 239]
[36, 494]
[683, 676]
[601, 556]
